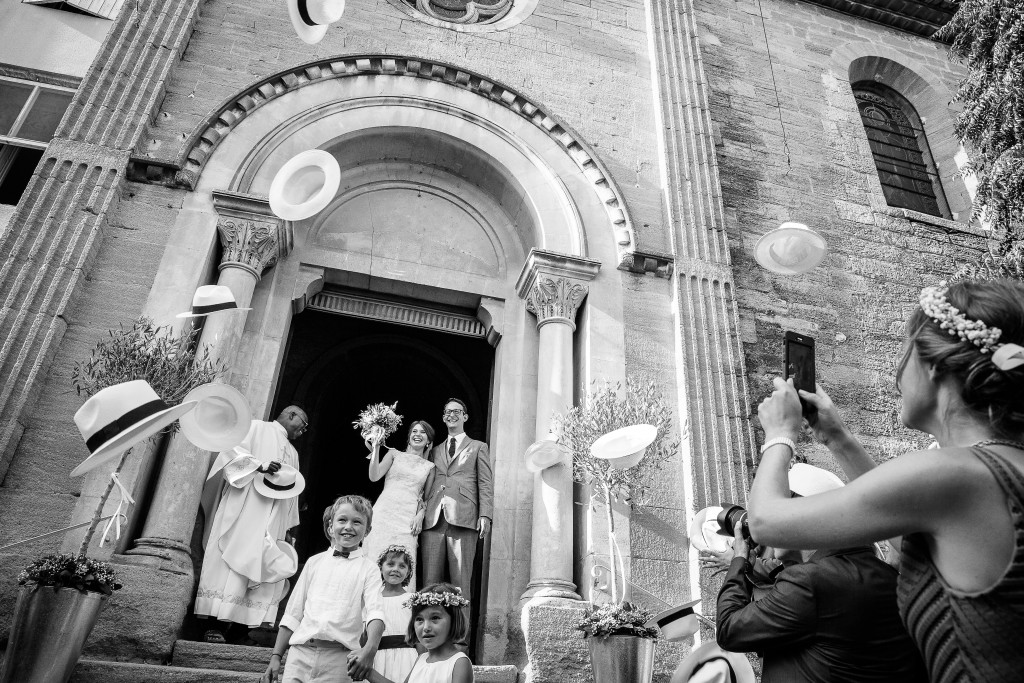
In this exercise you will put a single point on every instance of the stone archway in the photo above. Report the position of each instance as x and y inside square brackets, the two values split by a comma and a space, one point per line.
[540, 202]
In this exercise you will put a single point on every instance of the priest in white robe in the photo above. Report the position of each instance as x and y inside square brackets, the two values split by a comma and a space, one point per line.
[248, 559]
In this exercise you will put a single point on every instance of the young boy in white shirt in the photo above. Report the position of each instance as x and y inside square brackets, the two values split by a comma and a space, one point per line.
[337, 591]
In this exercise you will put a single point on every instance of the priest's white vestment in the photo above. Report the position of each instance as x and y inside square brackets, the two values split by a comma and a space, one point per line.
[245, 568]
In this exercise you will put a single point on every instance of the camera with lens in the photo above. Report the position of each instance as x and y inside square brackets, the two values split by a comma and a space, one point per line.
[731, 518]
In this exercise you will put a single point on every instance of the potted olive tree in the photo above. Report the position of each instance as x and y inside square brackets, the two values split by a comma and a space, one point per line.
[61, 595]
[621, 646]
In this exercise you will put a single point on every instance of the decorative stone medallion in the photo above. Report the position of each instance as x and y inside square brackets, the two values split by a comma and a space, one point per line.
[469, 15]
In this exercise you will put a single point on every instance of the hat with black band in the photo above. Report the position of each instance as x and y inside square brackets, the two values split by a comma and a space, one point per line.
[120, 416]
[211, 299]
[311, 18]
[285, 483]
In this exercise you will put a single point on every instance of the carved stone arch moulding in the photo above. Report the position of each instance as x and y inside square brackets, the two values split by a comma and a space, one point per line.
[209, 134]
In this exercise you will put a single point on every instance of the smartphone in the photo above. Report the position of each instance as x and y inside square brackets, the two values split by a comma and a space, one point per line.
[799, 365]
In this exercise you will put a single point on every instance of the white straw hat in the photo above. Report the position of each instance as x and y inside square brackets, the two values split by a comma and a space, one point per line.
[625, 447]
[120, 416]
[790, 249]
[709, 663]
[305, 185]
[544, 454]
[221, 418]
[677, 623]
[287, 482]
[808, 480]
[310, 18]
[210, 299]
[704, 531]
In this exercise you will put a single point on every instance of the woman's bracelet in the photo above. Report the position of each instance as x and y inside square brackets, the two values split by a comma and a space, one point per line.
[275, 654]
[779, 440]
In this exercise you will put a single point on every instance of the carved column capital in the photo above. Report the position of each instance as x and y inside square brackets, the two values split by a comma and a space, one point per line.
[554, 285]
[555, 299]
[252, 237]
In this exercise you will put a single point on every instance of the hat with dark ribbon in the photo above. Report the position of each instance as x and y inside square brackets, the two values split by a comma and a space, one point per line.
[120, 416]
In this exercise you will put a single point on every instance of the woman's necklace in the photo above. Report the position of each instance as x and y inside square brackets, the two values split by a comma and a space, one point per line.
[999, 442]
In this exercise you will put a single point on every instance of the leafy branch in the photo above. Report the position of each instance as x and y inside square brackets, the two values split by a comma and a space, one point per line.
[170, 363]
[604, 410]
[989, 36]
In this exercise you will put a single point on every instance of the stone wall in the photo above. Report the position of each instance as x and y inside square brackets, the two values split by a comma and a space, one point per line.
[821, 173]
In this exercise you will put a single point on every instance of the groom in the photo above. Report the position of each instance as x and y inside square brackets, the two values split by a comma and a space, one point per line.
[459, 495]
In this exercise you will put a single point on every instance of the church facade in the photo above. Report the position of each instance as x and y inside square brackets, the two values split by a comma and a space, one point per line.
[536, 196]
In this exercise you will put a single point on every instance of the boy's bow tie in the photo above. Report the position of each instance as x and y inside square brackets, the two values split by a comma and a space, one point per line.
[342, 553]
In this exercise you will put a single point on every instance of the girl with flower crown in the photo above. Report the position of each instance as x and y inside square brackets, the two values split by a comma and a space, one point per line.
[437, 623]
[395, 657]
[959, 508]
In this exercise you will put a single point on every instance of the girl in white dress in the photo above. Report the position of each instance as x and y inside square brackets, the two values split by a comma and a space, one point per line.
[398, 511]
[437, 623]
[395, 657]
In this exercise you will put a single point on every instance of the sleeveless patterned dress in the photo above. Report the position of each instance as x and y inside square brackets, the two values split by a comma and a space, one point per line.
[968, 637]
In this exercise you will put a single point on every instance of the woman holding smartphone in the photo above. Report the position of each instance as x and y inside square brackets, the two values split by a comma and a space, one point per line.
[959, 508]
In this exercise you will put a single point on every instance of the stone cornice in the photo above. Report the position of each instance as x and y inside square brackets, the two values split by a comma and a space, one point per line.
[208, 135]
[640, 262]
[923, 17]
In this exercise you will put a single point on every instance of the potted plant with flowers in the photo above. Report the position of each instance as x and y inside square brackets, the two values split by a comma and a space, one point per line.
[62, 594]
[621, 646]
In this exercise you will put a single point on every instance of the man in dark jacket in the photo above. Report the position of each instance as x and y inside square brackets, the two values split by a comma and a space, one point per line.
[832, 617]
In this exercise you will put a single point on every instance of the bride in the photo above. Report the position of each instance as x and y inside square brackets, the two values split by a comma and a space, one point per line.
[398, 512]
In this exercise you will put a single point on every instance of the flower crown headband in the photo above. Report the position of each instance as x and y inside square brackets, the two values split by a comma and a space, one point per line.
[445, 599]
[395, 548]
[937, 307]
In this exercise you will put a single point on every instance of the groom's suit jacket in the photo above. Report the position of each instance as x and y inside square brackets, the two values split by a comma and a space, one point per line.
[461, 486]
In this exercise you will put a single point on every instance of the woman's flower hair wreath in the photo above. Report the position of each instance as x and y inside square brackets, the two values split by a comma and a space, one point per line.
[937, 307]
[432, 599]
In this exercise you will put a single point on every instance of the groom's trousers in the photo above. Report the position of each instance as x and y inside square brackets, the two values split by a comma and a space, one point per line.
[454, 545]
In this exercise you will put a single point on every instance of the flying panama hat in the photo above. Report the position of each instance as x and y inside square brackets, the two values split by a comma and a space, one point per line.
[544, 454]
[304, 185]
[310, 18]
[677, 623]
[808, 480]
[287, 482]
[704, 531]
[790, 249]
[120, 416]
[625, 447]
[221, 418]
[709, 663]
[210, 299]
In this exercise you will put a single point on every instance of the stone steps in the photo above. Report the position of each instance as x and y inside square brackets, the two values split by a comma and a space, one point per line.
[100, 671]
[198, 662]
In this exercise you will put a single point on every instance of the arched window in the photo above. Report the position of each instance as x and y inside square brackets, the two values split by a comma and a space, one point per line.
[902, 159]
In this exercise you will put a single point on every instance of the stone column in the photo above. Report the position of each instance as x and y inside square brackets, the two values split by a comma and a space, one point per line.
[252, 240]
[554, 286]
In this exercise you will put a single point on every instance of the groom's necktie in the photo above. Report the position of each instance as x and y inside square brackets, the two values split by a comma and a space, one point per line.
[341, 553]
[451, 448]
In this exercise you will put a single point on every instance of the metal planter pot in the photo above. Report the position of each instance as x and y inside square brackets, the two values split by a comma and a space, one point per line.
[49, 630]
[622, 659]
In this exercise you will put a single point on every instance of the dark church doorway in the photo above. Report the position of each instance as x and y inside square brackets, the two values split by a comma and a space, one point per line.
[336, 365]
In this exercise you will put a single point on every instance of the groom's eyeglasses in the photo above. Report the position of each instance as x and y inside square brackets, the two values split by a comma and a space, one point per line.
[453, 411]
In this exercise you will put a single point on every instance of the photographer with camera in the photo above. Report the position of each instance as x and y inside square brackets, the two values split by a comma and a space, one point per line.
[831, 617]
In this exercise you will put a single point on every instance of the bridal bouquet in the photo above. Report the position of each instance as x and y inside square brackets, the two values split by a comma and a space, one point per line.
[378, 421]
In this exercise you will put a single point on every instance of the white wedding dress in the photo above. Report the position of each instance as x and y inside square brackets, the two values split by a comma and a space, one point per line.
[395, 508]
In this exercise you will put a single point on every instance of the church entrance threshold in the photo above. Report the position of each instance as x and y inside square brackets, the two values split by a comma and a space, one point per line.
[336, 365]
